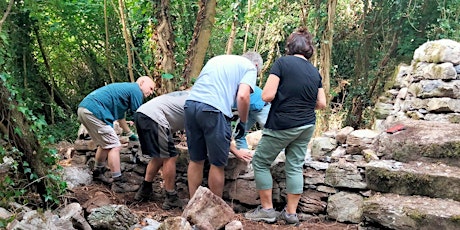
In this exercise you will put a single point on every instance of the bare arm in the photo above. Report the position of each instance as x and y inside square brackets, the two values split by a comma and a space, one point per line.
[270, 88]
[321, 99]
[242, 100]
[242, 154]
[124, 125]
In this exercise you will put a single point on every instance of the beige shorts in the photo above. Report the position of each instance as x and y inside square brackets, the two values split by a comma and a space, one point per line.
[101, 133]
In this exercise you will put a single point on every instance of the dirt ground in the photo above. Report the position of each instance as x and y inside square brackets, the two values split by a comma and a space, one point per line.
[153, 210]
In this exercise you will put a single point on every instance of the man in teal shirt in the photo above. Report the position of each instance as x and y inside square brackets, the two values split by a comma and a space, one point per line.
[98, 111]
[258, 112]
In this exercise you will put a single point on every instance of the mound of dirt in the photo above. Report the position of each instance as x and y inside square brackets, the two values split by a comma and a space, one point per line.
[153, 210]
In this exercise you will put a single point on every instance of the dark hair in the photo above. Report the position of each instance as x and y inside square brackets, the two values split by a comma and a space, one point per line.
[300, 42]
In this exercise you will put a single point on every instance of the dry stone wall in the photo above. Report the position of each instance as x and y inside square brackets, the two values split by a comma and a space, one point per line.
[349, 175]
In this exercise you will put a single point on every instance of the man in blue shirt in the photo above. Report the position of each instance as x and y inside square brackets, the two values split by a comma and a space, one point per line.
[258, 112]
[208, 112]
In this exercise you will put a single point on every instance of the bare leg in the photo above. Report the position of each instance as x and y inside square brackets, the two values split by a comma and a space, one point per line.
[266, 198]
[101, 154]
[292, 202]
[194, 176]
[114, 159]
[216, 180]
[169, 173]
[152, 169]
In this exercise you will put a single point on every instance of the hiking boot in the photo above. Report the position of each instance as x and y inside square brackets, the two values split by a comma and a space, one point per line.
[172, 201]
[99, 175]
[260, 214]
[144, 193]
[289, 219]
[121, 185]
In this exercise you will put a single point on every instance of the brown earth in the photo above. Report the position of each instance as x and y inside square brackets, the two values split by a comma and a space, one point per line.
[153, 210]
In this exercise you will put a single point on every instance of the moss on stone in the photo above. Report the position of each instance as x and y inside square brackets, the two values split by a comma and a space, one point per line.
[410, 150]
[455, 218]
[435, 50]
[446, 150]
[437, 71]
[454, 119]
[416, 215]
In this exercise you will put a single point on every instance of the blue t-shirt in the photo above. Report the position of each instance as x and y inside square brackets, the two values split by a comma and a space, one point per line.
[256, 103]
[295, 99]
[111, 102]
[256, 100]
[219, 79]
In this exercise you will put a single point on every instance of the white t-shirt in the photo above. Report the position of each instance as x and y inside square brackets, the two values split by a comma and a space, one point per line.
[219, 79]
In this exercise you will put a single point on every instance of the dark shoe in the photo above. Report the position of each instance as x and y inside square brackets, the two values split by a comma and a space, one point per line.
[144, 193]
[121, 185]
[172, 201]
[260, 214]
[291, 219]
[99, 175]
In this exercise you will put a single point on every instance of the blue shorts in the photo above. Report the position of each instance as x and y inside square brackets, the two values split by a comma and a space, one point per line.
[208, 133]
[156, 141]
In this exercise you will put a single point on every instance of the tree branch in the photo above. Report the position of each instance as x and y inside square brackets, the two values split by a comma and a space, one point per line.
[8, 9]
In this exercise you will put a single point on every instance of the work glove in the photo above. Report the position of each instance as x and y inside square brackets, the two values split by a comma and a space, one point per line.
[132, 136]
[240, 129]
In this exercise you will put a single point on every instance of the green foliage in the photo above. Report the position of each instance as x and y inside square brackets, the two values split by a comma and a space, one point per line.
[11, 186]
[21, 174]
[183, 14]
[73, 38]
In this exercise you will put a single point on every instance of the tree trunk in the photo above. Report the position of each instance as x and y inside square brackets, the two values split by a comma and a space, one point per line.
[5, 15]
[231, 38]
[382, 66]
[107, 49]
[304, 12]
[14, 125]
[163, 41]
[48, 68]
[325, 60]
[259, 35]
[246, 29]
[316, 33]
[200, 40]
[127, 37]
[355, 112]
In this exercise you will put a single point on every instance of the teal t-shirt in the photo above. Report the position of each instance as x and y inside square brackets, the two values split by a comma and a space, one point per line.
[111, 102]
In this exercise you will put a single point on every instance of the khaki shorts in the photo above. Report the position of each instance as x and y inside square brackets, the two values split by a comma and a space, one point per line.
[101, 133]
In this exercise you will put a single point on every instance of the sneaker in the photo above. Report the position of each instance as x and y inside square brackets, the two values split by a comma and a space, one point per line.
[121, 185]
[99, 175]
[261, 214]
[289, 219]
[172, 201]
[144, 193]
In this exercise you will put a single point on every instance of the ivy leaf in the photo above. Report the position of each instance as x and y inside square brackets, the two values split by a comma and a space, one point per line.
[167, 76]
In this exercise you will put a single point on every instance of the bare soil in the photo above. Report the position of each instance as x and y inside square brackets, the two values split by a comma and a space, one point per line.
[153, 210]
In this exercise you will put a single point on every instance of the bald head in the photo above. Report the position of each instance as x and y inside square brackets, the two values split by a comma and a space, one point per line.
[146, 84]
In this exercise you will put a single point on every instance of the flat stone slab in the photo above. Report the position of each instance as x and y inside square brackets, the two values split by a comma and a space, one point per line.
[412, 212]
[415, 178]
[427, 141]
